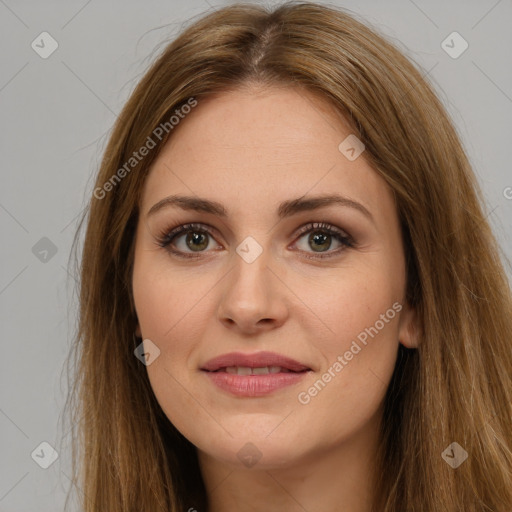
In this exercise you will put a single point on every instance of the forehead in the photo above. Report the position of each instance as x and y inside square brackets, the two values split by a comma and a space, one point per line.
[275, 119]
[250, 148]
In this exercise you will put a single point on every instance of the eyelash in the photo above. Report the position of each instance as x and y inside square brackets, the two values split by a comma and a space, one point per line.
[167, 236]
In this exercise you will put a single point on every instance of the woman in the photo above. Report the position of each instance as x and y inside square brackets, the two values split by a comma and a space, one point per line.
[340, 340]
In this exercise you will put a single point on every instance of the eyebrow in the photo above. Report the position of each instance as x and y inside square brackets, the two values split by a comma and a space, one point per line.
[286, 208]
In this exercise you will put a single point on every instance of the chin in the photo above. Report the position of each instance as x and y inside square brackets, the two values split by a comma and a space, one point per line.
[258, 455]
[256, 450]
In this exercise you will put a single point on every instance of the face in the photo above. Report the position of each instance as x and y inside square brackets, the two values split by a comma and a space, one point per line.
[272, 274]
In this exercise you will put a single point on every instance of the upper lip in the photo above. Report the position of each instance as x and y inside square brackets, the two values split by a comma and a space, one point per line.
[257, 360]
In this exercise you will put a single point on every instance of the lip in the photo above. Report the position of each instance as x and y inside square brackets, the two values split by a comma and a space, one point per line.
[254, 385]
[256, 360]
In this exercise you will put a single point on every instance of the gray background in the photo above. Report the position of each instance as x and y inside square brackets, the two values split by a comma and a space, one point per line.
[56, 114]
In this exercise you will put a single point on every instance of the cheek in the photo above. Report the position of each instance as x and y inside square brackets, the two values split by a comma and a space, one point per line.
[169, 310]
[359, 346]
[175, 312]
[163, 298]
[353, 306]
[348, 391]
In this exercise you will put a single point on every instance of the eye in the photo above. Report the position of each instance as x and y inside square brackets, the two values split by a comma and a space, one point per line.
[320, 236]
[197, 239]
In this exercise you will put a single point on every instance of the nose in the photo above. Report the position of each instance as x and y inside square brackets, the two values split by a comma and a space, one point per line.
[254, 298]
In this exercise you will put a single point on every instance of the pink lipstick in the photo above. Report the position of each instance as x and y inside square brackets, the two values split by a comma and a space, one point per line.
[253, 375]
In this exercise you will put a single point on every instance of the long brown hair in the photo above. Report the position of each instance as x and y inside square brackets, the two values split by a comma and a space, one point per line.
[456, 387]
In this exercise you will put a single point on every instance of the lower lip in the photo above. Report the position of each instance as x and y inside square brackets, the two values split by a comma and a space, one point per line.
[254, 385]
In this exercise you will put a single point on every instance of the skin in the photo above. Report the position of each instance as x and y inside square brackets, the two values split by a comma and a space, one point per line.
[250, 149]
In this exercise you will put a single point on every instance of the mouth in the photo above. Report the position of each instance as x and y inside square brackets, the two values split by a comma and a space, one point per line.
[254, 375]
[262, 370]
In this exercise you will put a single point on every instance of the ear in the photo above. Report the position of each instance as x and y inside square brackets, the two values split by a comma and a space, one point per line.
[138, 332]
[408, 327]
